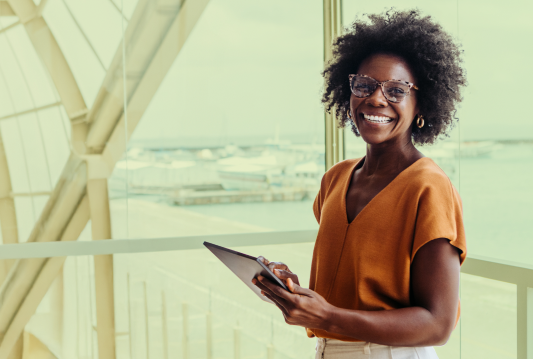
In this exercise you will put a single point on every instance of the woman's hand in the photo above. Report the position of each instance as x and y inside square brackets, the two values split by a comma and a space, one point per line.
[300, 306]
[281, 270]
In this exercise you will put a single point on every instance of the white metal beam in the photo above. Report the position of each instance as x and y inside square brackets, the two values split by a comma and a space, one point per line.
[103, 268]
[46, 269]
[13, 115]
[154, 38]
[5, 9]
[48, 50]
[8, 217]
[52, 225]
[150, 55]
[8, 221]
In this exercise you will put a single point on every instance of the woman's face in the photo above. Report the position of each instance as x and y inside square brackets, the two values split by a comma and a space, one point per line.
[384, 67]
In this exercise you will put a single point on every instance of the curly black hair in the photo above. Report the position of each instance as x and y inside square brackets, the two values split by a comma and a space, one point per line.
[432, 54]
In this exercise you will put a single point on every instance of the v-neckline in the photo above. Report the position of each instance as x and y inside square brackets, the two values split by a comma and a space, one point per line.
[347, 187]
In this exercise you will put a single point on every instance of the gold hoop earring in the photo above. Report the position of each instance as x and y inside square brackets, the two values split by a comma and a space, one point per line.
[418, 123]
[348, 114]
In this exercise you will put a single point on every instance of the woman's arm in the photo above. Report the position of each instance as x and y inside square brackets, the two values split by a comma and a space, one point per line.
[430, 321]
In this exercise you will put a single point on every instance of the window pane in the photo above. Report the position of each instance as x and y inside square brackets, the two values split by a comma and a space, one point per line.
[497, 164]
[232, 141]
[488, 318]
[212, 309]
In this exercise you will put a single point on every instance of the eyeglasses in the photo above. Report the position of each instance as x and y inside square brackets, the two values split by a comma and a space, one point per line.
[393, 90]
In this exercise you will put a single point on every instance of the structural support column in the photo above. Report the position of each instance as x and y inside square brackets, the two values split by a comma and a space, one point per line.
[8, 222]
[103, 268]
[334, 135]
[8, 217]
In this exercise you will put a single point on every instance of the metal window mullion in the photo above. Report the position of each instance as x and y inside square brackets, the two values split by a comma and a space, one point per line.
[334, 136]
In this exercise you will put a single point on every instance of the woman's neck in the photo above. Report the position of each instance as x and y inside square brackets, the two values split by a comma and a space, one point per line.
[389, 159]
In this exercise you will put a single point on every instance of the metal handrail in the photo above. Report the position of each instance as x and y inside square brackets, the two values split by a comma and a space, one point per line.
[520, 274]
[510, 272]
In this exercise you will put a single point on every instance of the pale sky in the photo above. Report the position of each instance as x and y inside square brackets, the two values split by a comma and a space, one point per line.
[251, 65]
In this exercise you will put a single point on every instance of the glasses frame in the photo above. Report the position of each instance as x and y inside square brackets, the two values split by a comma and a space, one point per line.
[382, 85]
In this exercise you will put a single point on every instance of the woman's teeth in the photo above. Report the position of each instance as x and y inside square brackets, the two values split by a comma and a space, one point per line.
[377, 119]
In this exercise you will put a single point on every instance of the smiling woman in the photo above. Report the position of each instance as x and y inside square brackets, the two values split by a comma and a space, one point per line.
[386, 262]
[430, 54]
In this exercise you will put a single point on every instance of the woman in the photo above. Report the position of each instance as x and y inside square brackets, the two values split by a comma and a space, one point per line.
[385, 270]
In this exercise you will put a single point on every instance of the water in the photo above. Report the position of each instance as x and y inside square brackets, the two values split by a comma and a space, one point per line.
[497, 196]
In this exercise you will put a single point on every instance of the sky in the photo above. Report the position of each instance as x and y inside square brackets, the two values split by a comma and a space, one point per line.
[251, 67]
[251, 70]
[247, 69]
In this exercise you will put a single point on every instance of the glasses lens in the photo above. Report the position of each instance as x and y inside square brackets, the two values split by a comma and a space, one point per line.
[395, 91]
[363, 86]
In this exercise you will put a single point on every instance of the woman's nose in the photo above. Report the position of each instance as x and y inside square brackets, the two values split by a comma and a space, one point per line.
[377, 99]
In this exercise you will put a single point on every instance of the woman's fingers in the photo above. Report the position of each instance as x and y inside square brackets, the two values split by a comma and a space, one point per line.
[290, 285]
[296, 289]
[284, 275]
[278, 265]
[264, 260]
[260, 285]
[271, 291]
[281, 307]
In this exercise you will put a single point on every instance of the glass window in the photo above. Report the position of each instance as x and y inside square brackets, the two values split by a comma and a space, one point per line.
[488, 157]
[232, 140]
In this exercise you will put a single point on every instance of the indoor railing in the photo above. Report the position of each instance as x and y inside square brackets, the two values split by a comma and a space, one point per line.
[173, 299]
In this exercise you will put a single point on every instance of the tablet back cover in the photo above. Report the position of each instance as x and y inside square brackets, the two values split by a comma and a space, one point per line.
[243, 266]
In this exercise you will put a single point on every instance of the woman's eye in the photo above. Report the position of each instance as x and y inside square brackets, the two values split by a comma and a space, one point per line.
[363, 87]
[396, 91]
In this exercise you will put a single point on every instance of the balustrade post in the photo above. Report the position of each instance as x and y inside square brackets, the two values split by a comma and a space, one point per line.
[185, 330]
[147, 329]
[237, 342]
[270, 347]
[209, 334]
[164, 327]
[521, 321]
[130, 325]
[529, 324]
[270, 351]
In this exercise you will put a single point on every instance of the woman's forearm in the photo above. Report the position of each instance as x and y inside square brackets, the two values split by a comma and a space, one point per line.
[413, 326]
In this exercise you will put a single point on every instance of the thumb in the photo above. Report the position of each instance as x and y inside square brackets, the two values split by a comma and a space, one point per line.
[282, 274]
[296, 289]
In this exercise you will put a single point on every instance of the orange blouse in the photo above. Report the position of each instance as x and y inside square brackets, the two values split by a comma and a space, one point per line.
[365, 264]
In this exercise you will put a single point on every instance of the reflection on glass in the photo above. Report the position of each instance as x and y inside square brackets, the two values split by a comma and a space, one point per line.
[202, 309]
[232, 140]
[168, 306]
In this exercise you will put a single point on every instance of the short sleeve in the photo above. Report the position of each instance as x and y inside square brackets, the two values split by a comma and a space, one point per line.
[319, 200]
[439, 215]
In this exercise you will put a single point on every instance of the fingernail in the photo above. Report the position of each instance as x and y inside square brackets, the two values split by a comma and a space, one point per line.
[254, 281]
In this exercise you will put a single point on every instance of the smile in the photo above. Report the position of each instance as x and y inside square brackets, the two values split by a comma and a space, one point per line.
[377, 119]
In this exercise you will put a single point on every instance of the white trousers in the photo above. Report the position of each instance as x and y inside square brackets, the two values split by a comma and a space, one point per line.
[336, 349]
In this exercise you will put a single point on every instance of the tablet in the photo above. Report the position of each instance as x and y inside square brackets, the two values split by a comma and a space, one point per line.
[245, 267]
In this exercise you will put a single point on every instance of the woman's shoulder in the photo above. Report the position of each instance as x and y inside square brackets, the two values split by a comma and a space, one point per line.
[427, 174]
[342, 168]
[338, 173]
